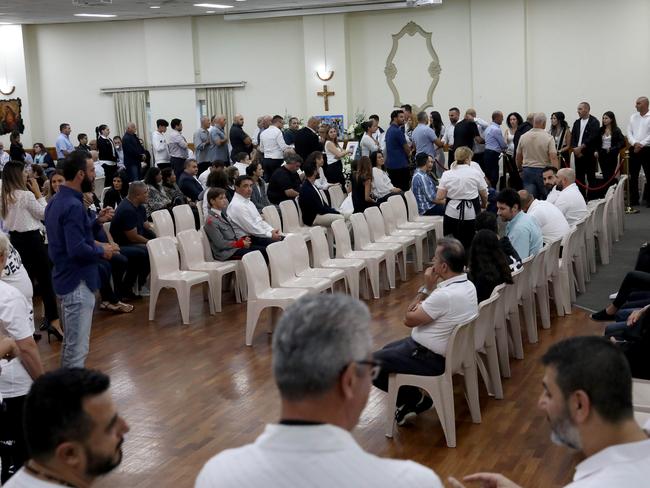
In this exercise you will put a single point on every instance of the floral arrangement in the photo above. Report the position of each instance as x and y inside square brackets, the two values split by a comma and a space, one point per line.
[346, 161]
[355, 130]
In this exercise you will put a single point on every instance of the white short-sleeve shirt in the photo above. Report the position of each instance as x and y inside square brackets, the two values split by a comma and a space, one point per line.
[462, 182]
[550, 219]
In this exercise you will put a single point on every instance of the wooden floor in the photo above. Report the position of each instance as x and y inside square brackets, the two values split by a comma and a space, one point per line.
[189, 392]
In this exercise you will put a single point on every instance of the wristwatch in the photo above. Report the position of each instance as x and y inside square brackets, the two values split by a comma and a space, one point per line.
[423, 290]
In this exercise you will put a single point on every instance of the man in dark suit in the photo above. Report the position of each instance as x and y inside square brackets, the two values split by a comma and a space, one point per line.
[134, 152]
[584, 140]
[188, 182]
[314, 207]
[306, 139]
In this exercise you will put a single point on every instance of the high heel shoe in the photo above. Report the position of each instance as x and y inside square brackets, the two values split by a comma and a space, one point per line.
[44, 324]
[52, 331]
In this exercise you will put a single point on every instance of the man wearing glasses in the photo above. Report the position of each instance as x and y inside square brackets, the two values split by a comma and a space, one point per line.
[446, 300]
[323, 368]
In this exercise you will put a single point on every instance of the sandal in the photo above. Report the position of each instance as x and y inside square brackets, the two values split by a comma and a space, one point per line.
[119, 307]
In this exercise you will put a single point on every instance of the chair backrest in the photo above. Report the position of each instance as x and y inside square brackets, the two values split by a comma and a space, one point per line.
[191, 248]
[517, 282]
[568, 244]
[205, 242]
[99, 187]
[257, 274]
[163, 256]
[361, 232]
[319, 247]
[484, 324]
[641, 395]
[538, 273]
[280, 263]
[298, 252]
[107, 231]
[399, 209]
[341, 238]
[599, 210]
[199, 208]
[183, 218]
[460, 348]
[163, 223]
[289, 216]
[389, 218]
[272, 217]
[375, 223]
[411, 203]
[552, 258]
[336, 196]
[101, 198]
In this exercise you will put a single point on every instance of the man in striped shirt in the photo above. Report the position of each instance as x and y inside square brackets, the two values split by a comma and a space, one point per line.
[424, 187]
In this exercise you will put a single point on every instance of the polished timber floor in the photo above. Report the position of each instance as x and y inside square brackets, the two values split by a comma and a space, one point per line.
[191, 391]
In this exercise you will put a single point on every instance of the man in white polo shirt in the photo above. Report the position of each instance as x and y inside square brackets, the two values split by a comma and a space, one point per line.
[549, 218]
[323, 369]
[433, 315]
[570, 201]
[587, 398]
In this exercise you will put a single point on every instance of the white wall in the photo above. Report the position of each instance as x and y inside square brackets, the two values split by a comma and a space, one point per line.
[13, 73]
[523, 55]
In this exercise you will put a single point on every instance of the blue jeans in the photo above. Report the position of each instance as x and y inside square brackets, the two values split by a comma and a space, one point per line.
[133, 172]
[77, 314]
[534, 182]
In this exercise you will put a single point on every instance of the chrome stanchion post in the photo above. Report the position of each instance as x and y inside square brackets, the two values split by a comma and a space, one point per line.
[626, 169]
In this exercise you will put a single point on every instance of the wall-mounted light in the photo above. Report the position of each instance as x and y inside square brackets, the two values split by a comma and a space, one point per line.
[325, 75]
[7, 90]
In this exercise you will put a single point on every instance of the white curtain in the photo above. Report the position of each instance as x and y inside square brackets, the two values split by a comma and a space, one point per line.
[220, 101]
[132, 107]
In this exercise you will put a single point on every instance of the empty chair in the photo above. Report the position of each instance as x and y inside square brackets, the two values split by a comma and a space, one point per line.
[163, 224]
[300, 258]
[562, 279]
[378, 234]
[291, 220]
[352, 267]
[336, 196]
[641, 400]
[399, 212]
[362, 243]
[413, 216]
[183, 218]
[600, 232]
[390, 225]
[166, 273]
[191, 250]
[373, 259]
[272, 217]
[459, 358]
[260, 293]
[487, 358]
[283, 274]
[99, 188]
[511, 308]
[539, 285]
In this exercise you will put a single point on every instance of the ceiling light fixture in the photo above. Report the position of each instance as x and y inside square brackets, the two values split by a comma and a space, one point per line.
[209, 11]
[212, 5]
[103, 16]
[154, 6]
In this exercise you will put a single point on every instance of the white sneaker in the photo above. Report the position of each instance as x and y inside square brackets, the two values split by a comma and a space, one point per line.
[613, 296]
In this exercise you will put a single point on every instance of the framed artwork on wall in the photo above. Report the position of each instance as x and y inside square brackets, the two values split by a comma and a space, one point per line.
[11, 118]
[336, 121]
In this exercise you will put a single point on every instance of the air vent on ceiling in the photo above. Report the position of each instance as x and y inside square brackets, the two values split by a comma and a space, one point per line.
[91, 3]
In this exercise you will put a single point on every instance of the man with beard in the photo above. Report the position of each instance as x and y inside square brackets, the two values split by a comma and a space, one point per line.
[550, 180]
[587, 399]
[75, 254]
[239, 140]
[73, 430]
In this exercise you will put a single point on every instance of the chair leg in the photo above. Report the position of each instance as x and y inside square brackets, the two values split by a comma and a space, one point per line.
[373, 273]
[419, 258]
[391, 404]
[493, 370]
[515, 332]
[529, 317]
[443, 401]
[502, 348]
[216, 284]
[471, 391]
[401, 264]
[352, 280]
[544, 307]
[253, 309]
[183, 294]
[487, 380]
[153, 298]
[390, 269]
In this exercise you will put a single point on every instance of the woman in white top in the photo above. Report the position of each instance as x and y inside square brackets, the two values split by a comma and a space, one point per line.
[317, 159]
[382, 186]
[460, 188]
[334, 168]
[368, 142]
[23, 209]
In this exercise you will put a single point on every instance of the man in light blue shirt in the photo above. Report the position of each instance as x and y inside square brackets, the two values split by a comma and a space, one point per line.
[424, 187]
[494, 146]
[63, 144]
[424, 137]
[522, 230]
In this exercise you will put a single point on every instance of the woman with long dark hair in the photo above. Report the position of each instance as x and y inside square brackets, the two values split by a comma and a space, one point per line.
[611, 142]
[513, 121]
[16, 150]
[23, 209]
[562, 135]
[158, 199]
[107, 153]
[362, 186]
[382, 186]
[42, 158]
[116, 193]
[334, 168]
[488, 264]
[439, 157]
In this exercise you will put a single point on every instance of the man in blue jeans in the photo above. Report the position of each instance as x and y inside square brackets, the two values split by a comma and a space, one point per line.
[536, 151]
[75, 255]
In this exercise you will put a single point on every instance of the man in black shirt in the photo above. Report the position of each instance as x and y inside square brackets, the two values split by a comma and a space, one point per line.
[285, 182]
[306, 139]
[466, 132]
[239, 140]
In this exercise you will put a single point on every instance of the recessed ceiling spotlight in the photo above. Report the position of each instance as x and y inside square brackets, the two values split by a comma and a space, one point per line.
[96, 15]
[209, 11]
[154, 6]
[212, 5]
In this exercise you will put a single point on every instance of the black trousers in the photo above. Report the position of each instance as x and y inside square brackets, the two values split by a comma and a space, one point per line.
[638, 160]
[115, 268]
[334, 173]
[633, 281]
[491, 166]
[463, 230]
[178, 164]
[514, 180]
[138, 267]
[407, 357]
[608, 162]
[271, 166]
[13, 451]
[109, 173]
[586, 171]
[401, 178]
[31, 247]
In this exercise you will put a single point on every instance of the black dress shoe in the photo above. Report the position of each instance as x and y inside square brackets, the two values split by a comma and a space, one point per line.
[603, 316]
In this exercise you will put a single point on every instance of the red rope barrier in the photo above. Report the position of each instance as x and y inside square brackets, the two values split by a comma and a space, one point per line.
[604, 185]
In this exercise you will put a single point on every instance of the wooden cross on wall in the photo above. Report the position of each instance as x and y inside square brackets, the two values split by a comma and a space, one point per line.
[326, 97]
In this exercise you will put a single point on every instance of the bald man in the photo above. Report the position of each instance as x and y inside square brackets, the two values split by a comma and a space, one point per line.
[202, 144]
[570, 201]
[638, 135]
[585, 137]
[134, 152]
[306, 140]
[549, 218]
[239, 140]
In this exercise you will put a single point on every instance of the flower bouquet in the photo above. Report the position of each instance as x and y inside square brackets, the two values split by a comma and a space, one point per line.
[355, 130]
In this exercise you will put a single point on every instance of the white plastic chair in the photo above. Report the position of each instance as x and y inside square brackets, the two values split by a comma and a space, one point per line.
[420, 236]
[99, 188]
[240, 278]
[291, 220]
[107, 231]
[283, 274]
[562, 279]
[183, 218]
[260, 293]
[373, 259]
[413, 215]
[272, 217]
[362, 242]
[378, 233]
[352, 267]
[511, 310]
[336, 196]
[579, 257]
[199, 209]
[600, 232]
[104, 191]
[620, 199]
[641, 400]
[300, 257]
[166, 273]
[399, 212]
[539, 286]
[527, 301]
[501, 330]
[460, 358]
[163, 224]
[591, 240]
[485, 343]
[552, 268]
[191, 250]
